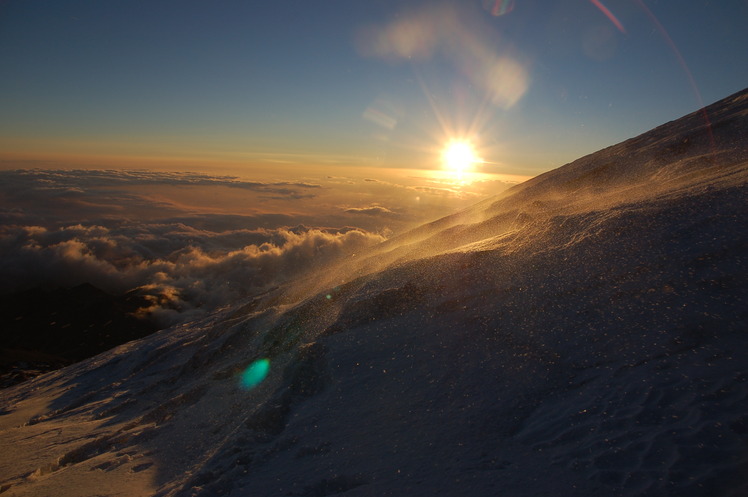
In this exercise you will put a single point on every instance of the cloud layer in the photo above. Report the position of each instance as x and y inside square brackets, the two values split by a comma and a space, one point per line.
[183, 269]
[119, 231]
[196, 241]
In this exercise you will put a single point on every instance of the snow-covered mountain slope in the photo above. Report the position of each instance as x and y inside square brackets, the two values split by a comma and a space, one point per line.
[585, 332]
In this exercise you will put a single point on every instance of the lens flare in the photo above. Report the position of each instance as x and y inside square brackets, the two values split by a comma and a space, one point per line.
[254, 374]
[607, 13]
[498, 7]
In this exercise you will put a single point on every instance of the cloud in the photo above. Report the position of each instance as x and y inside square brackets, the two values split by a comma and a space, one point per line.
[76, 186]
[192, 242]
[183, 239]
[373, 210]
[78, 180]
[383, 113]
[105, 197]
[184, 270]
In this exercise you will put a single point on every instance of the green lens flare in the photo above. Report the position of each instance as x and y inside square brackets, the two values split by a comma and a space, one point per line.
[255, 373]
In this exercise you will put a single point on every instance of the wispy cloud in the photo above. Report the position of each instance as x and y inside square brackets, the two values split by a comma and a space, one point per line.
[79, 180]
[372, 210]
[55, 197]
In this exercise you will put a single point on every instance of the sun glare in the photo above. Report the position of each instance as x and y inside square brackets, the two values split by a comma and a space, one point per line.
[459, 156]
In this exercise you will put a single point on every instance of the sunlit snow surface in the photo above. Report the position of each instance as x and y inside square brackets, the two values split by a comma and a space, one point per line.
[582, 334]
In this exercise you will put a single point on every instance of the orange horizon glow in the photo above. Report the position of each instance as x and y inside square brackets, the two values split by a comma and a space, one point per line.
[260, 171]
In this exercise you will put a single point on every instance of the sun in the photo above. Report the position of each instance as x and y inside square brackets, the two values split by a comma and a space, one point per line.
[459, 156]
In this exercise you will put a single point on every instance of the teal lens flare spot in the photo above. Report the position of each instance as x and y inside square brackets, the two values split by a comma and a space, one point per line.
[255, 373]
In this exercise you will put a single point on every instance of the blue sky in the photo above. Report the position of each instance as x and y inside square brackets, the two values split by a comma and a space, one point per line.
[382, 83]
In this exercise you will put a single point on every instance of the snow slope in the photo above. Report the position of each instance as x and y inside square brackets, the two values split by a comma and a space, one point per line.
[584, 332]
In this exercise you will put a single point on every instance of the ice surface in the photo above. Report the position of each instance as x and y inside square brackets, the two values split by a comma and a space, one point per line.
[584, 333]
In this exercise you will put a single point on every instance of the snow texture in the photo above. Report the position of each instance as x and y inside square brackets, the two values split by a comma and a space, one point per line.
[583, 333]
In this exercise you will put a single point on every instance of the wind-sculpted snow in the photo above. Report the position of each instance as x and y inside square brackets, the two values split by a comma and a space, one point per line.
[540, 343]
[690, 154]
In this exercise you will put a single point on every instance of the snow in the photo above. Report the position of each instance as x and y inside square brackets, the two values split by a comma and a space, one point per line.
[584, 332]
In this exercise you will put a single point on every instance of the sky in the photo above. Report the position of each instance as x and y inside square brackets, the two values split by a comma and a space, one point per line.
[261, 86]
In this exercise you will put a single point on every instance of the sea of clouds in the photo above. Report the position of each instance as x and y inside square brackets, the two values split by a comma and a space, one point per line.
[195, 241]
[183, 269]
[64, 228]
